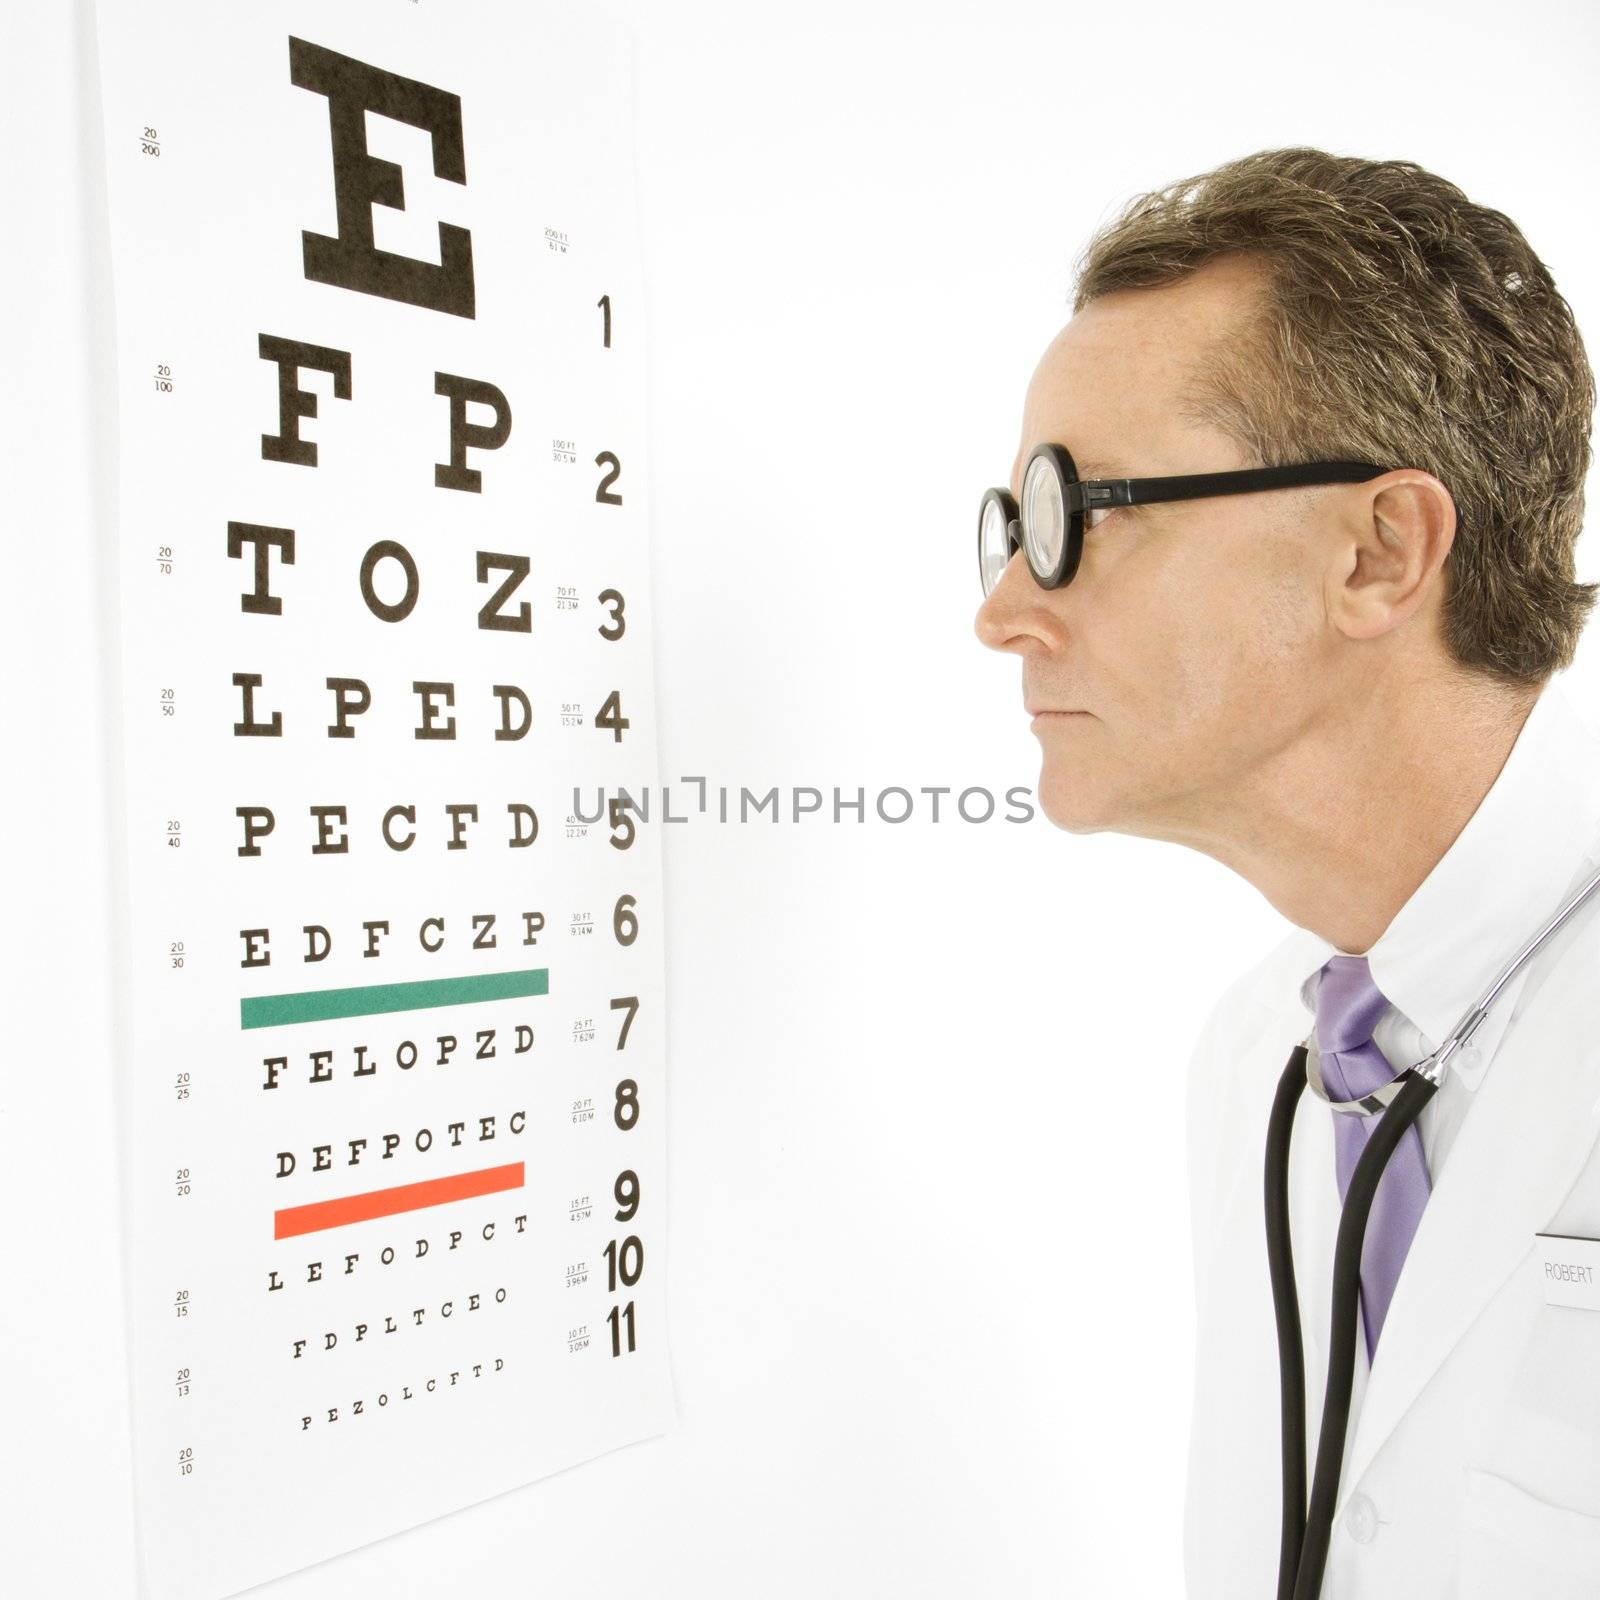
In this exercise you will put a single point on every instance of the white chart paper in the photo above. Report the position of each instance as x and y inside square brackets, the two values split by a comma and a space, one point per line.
[392, 1096]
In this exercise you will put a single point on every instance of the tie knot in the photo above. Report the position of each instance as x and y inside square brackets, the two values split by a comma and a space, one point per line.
[1349, 1004]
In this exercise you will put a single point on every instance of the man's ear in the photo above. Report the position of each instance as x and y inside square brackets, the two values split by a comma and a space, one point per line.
[1395, 533]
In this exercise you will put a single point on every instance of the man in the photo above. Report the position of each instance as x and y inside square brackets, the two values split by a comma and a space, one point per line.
[1342, 690]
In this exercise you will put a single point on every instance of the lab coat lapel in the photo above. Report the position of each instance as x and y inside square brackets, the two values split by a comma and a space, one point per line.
[1516, 1155]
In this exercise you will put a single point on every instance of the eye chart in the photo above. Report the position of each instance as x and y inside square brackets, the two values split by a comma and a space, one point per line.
[392, 1103]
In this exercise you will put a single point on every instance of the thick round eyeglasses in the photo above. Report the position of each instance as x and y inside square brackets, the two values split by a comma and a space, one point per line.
[1057, 506]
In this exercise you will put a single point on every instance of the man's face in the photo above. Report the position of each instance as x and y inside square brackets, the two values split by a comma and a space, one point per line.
[1192, 632]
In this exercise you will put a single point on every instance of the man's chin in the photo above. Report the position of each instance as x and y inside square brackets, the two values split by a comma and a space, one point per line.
[1068, 798]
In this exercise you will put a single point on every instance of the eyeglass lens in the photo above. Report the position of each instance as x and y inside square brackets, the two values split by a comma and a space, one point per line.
[1044, 517]
[995, 545]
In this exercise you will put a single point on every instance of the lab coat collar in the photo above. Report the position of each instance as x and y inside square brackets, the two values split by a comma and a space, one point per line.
[1499, 881]
[1534, 1122]
[1534, 840]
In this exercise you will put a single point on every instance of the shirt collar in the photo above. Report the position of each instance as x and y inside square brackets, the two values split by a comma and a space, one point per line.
[1501, 879]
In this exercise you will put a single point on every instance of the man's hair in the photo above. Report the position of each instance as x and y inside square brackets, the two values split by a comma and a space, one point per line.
[1406, 326]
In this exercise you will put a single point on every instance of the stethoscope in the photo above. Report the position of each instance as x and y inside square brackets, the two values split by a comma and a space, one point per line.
[1303, 1547]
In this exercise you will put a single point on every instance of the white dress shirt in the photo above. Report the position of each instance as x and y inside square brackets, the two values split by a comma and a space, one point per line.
[1449, 1381]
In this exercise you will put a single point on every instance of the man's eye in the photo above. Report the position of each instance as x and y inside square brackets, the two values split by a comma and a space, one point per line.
[1095, 515]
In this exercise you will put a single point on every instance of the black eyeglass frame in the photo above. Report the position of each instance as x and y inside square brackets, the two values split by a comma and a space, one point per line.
[1080, 495]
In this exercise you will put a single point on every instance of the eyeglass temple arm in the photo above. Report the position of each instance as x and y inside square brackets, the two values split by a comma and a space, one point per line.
[1198, 486]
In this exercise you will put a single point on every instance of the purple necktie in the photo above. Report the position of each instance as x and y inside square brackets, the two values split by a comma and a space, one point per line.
[1349, 1004]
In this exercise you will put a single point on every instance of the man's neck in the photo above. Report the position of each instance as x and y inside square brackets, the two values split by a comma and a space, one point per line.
[1346, 826]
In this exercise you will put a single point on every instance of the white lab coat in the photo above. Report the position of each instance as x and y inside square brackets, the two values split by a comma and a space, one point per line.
[1472, 1464]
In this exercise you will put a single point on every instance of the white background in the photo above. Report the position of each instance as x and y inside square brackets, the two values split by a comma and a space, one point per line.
[929, 1307]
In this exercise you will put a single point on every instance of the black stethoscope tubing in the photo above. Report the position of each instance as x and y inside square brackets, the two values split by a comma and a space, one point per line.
[1303, 1545]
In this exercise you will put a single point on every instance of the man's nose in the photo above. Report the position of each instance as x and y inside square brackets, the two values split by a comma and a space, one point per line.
[1016, 610]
